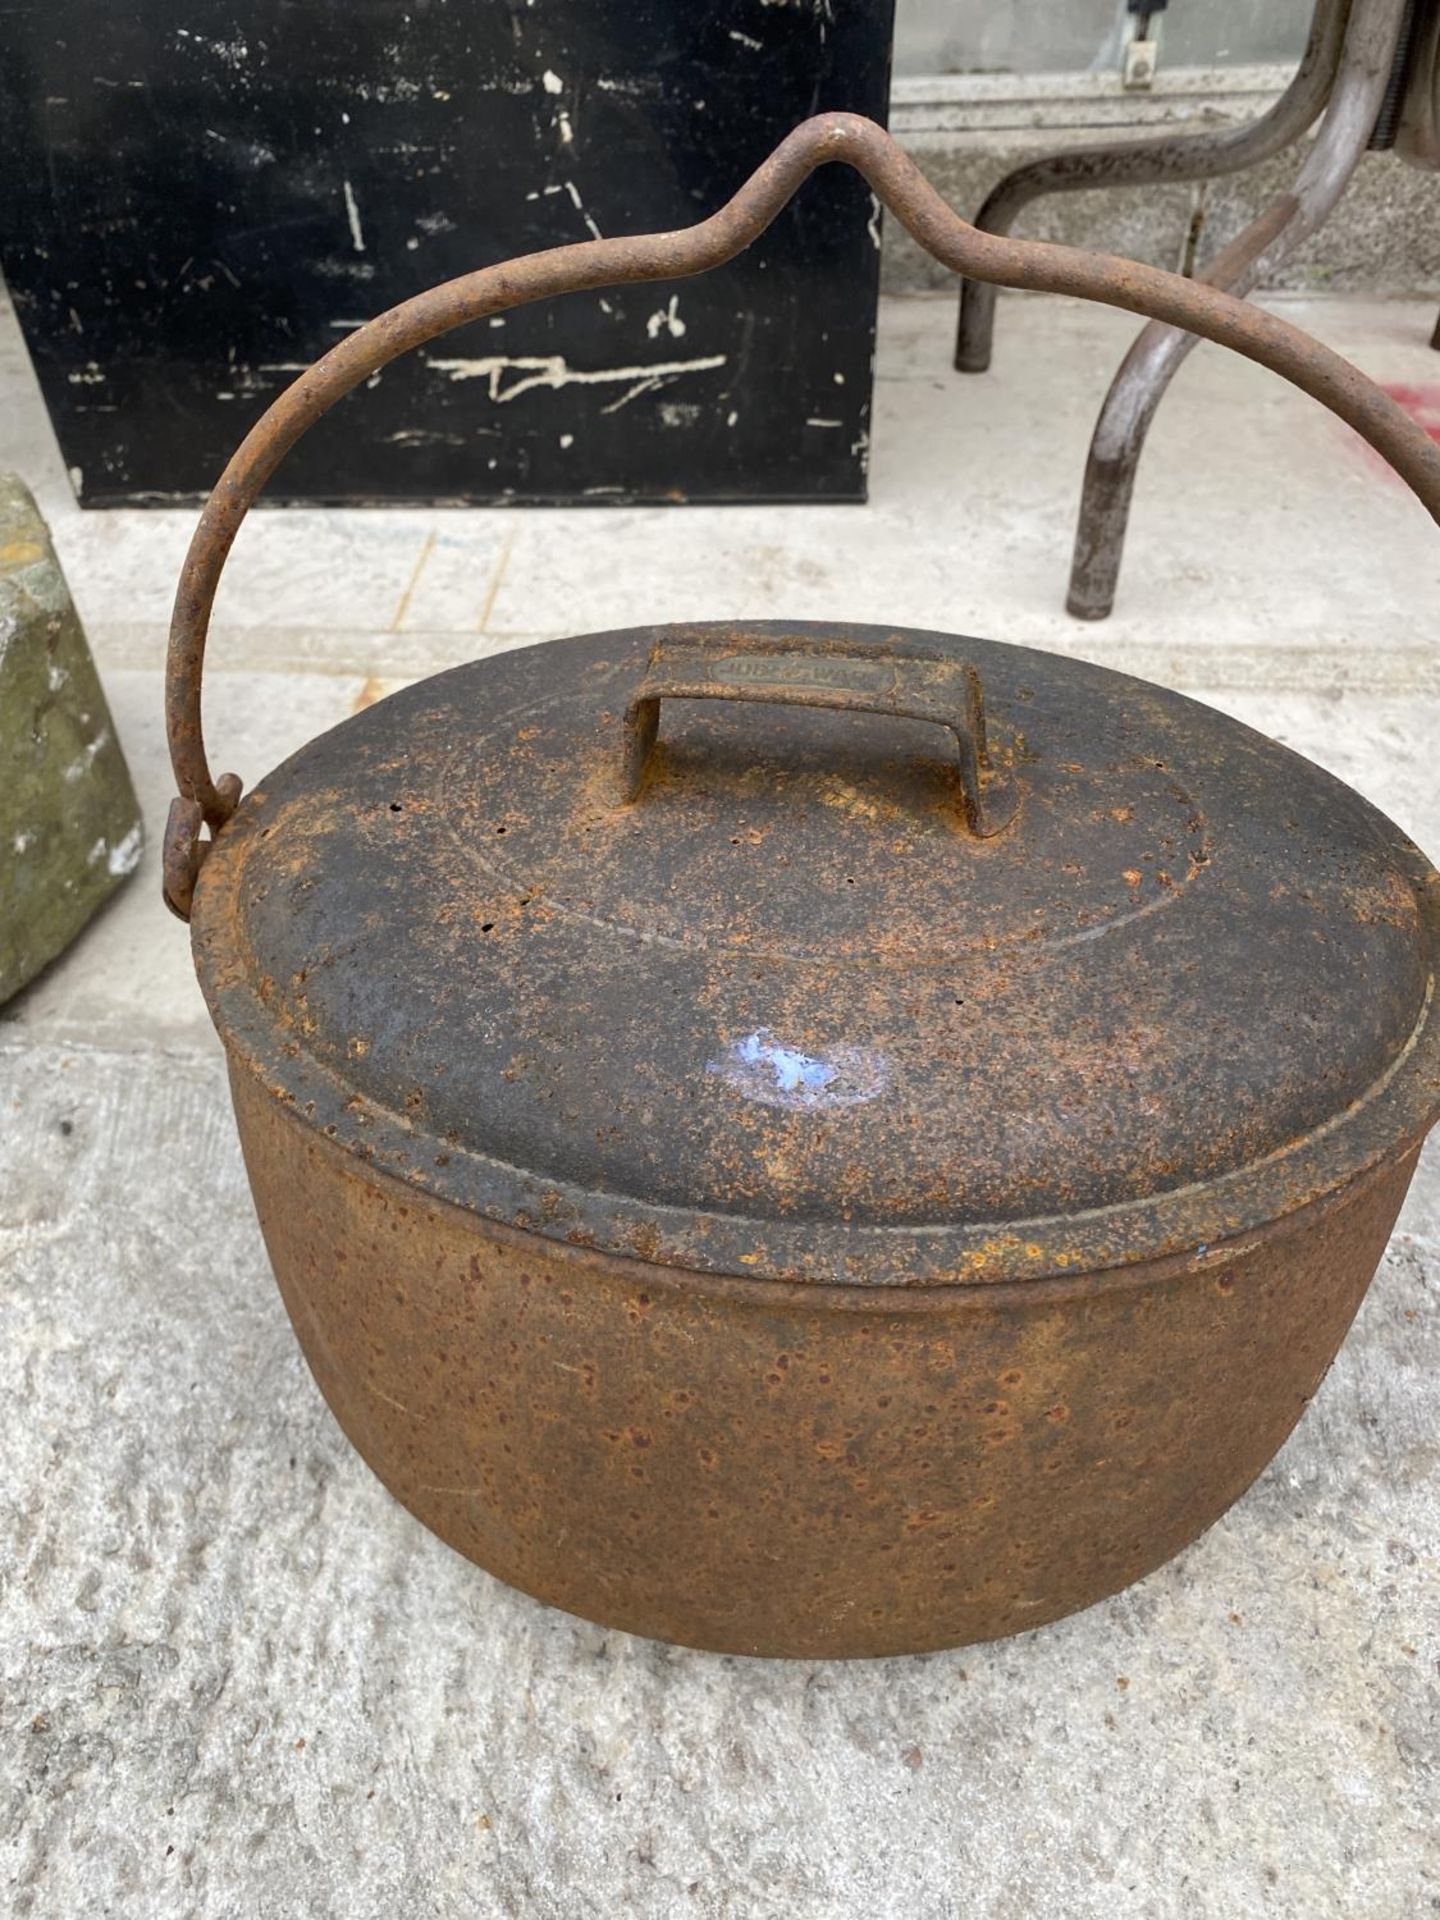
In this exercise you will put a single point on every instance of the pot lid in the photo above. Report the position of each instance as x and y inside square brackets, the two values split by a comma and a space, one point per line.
[828, 953]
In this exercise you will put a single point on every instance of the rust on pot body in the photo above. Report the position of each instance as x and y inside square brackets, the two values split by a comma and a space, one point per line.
[793, 1470]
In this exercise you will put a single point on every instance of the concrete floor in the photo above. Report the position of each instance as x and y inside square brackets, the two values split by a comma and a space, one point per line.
[239, 1680]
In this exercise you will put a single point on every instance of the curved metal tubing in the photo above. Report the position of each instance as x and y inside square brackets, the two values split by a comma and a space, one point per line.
[1146, 163]
[1159, 352]
[899, 184]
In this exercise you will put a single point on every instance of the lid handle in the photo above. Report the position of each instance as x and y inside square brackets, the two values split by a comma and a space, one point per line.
[806, 671]
[208, 800]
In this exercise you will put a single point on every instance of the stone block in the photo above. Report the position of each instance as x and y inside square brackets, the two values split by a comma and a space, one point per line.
[70, 829]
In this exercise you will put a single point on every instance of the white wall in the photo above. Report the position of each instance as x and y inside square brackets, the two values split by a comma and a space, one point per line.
[1051, 36]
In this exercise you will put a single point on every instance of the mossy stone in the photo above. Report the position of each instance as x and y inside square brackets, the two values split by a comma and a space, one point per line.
[70, 830]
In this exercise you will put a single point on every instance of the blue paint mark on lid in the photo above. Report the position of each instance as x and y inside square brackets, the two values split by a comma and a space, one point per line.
[759, 1067]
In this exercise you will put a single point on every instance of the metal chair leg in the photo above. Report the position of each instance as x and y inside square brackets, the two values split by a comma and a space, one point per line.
[1147, 162]
[1159, 351]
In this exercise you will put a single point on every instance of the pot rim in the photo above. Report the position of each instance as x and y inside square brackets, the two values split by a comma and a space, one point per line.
[632, 1270]
[1391, 1118]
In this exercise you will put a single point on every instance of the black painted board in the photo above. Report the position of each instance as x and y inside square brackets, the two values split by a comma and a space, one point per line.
[200, 198]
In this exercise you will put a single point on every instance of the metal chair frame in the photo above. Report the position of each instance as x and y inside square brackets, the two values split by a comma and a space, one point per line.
[1352, 72]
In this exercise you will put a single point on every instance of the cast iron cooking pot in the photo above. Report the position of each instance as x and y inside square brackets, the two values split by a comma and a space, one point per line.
[805, 1139]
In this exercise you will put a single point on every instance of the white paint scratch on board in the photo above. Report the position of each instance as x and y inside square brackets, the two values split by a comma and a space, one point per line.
[553, 370]
[813, 421]
[232, 52]
[747, 40]
[552, 82]
[352, 214]
[872, 225]
[579, 205]
[566, 131]
[632, 393]
[667, 318]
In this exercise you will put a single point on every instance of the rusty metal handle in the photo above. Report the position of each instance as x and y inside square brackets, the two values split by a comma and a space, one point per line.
[849, 678]
[900, 186]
